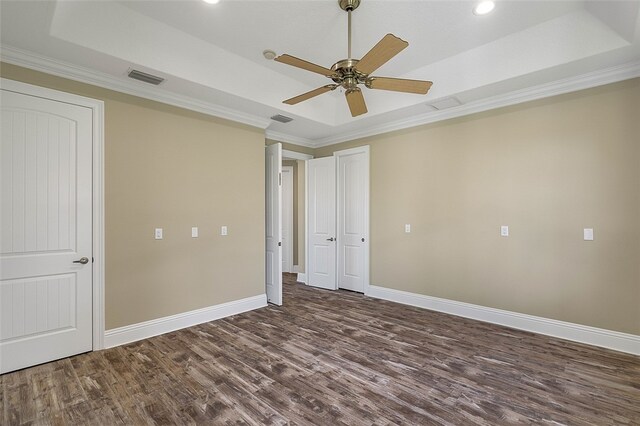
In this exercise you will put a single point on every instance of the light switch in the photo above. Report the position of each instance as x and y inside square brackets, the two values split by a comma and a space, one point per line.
[194, 232]
[223, 230]
[504, 231]
[588, 234]
[407, 228]
[158, 233]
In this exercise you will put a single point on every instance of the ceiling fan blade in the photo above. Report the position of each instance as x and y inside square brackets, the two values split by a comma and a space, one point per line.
[356, 102]
[311, 94]
[305, 65]
[386, 49]
[399, 85]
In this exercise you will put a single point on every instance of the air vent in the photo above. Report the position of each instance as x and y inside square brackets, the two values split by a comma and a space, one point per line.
[147, 78]
[446, 103]
[281, 118]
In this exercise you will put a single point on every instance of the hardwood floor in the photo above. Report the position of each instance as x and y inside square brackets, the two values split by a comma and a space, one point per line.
[332, 358]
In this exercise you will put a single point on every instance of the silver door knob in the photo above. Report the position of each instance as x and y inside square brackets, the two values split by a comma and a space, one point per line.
[83, 260]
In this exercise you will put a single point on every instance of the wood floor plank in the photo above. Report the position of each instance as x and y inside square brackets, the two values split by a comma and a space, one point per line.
[332, 358]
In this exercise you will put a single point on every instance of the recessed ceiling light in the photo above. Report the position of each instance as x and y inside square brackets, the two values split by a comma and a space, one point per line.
[211, 1]
[484, 7]
[269, 54]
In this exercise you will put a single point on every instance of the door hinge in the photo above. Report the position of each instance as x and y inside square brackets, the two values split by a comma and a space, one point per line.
[279, 243]
[93, 260]
[279, 179]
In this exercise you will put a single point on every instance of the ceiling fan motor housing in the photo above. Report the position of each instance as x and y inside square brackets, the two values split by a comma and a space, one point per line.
[347, 75]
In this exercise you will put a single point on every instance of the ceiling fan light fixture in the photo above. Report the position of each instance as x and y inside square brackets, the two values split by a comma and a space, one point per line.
[484, 7]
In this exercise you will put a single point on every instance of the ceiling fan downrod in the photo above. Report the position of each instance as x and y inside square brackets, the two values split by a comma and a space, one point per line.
[348, 6]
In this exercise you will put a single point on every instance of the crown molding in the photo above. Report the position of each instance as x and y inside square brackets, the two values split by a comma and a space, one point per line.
[34, 61]
[559, 87]
[295, 140]
[47, 65]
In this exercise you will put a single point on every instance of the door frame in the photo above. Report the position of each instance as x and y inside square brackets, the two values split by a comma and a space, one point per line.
[345, 152]
[289, 247]
[293, 155]
[98, 217]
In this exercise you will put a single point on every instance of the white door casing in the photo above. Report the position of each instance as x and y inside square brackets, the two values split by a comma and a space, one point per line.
[273, 225]
[46, 217]
[321, 223]
[353, 218]
[287, 219]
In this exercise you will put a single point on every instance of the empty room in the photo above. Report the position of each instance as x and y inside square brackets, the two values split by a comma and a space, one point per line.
[319, 212]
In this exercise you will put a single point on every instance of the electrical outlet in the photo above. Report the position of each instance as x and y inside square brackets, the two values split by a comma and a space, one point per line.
[223, 230]
[194, 232]
[407, 228]
[158, 233]
[504, 231]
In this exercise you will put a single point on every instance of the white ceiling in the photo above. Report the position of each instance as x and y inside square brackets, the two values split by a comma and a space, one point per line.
[211, 55]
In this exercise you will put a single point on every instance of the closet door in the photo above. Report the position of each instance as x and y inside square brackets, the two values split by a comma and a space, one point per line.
[353, 219]
[321, 193]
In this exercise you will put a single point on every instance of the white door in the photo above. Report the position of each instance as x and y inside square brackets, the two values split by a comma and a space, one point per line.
[353, 219]
[46, 230]
[321, 190]
[273, 226]
[287, 219]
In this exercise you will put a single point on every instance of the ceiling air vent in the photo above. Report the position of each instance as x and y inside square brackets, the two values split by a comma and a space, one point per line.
[445, 103]
[281, 118]
[147, 78]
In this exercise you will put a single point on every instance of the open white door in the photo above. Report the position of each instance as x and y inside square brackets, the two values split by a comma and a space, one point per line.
[273, 188]
[46, 230]
[353, 219]
[321, 190]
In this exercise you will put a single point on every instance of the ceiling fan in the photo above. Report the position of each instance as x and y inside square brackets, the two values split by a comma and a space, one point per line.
[349, 73]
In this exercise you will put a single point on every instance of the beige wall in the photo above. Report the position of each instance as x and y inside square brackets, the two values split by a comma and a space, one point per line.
[171, 168]
[547, 169]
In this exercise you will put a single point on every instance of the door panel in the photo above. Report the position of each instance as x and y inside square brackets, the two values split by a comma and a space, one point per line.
[45, 225]
[322, 223]
[273, 226]
[353, 224]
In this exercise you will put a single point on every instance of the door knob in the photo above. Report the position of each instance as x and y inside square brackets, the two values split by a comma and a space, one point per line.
[330, 239]
[83, 260]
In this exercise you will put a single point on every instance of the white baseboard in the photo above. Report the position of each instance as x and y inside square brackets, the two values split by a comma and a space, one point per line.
[143, 330]
[296, 269]
[623, 342]
[302, 277]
